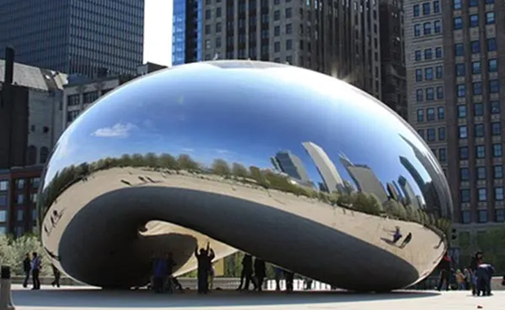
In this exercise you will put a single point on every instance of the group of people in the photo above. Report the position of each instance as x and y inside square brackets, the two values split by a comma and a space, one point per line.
[255, 273]
[162, 269]
[477, 277]
[32, 265]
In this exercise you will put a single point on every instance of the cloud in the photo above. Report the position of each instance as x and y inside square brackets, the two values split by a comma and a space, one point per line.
[221, 151]
[189, 150]
[117, 131]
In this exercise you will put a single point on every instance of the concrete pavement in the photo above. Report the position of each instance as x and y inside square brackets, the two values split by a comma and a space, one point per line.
[85, 298]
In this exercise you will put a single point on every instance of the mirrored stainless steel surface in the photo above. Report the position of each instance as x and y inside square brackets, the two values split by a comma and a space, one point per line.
[298, 168]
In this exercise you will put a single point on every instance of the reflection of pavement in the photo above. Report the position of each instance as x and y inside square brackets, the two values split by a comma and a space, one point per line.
[421, 251]
[91, 299]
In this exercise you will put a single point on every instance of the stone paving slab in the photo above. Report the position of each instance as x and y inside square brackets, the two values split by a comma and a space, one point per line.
[86, 298]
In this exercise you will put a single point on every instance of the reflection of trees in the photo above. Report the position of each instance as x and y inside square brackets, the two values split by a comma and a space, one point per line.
[347, 198]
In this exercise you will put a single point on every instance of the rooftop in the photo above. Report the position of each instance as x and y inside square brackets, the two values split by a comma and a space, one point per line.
[33, 77]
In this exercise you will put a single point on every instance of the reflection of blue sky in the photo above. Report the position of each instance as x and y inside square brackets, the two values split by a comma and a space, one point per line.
[244, 117]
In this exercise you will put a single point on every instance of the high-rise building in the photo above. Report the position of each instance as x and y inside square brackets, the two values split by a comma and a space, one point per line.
[454, 55]
[392, 50]
[79, 36]
[291, 165]
[335, 38]
[332, 180]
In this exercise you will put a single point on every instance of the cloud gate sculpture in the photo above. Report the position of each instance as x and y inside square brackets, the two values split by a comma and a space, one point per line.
[293, 166]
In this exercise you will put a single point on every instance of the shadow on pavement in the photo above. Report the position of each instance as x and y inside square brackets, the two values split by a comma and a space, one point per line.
[143, 298]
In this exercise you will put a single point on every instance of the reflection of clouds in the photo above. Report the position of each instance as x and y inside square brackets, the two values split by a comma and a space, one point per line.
[189, 150]
[222, 151]
[117, 131]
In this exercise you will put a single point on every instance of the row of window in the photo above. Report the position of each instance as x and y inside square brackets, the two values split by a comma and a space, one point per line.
[428, 54]
[429, 93]
[430, 134]
[480, 173]
[20, 184]
[493, 88]
[430, 73]
[476, 66]
[459, 48]
[480, 151]
[427, 28]
[479, 130]
[430, 114]
[426, 8]
[458, 4]
[20, 215]
[482, 195]
[478, 109]
[466, 216]
[473, 20]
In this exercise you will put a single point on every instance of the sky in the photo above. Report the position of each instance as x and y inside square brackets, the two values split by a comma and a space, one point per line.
[158, 32]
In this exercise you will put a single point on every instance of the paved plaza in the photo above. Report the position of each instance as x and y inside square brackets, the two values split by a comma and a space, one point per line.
[84, 298]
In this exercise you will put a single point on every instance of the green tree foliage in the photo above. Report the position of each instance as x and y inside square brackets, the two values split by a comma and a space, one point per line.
[13, 252]
[220, 167]
[239, 170]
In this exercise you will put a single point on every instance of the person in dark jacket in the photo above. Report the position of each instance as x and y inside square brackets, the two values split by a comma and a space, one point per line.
[445, 272]
[474, 265]
[57, 276]
[247, 271]
[484, 275]
[259, 273]
[204, 257]
[290, 278]
[27, 267]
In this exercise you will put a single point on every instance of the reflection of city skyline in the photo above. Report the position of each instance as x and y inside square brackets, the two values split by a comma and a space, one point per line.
[419, 194]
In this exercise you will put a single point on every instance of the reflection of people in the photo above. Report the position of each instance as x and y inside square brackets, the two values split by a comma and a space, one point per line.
[406, 240]
[27, 267]
[36, 265]
[445, 270]
[204, 257]
[278, 277]
[57, 276]
[247, 270]
[259, 273]
[397, 235]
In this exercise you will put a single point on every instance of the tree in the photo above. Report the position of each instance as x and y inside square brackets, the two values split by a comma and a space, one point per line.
[168, 161]
[137, 160]
[220, 167]
[151, 160]
[186, 162]
[239, 170]
[395, 209]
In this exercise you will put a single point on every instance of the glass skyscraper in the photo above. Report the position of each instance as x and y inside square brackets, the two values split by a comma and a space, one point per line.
[187, 31]
[75, 36]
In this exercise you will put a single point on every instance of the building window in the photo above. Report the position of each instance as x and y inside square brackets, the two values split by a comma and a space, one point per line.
[420, 115]
[20, 215]
[3, 216]
[457, 23]
[418, 55]
[430, 94]
[3, 200]
[461, 90]
[480, 151]
[20, 184]
[461, 111]
[441, 113]
[441, 133]
[464, 174]
[497, 150]
[491, 44]
[498, 172]
[481, 173]
[474, 20]
[494, 86]
[482, 194]
[44, 153]
[465, 217]
[440, 92]
[436, 6]
[419, 95]
[477, 88]
[439, 72]
[476, 67]
[420, 132]
[496, 128]
[495, 107]
[442, 155]
[459, 49]
[428, 74]
[430, 114]
[416, 10]
[499, 215]
[289, 12]
[419, 75]
[482, 216]
[426, 8]
[478, 109]
[465, 195]
[457, 4]
[463, 153]
[438, 52]
[492, 65]
[3, 185]
[479, 130]
[73, 100]
[430, 134]
[490, 18]
[428, 54]
[31, 155]
[498, 193]
[427, 28]
[20, 199]
[460, 69]
[475, 47]
[437, 26]
[463, 132]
